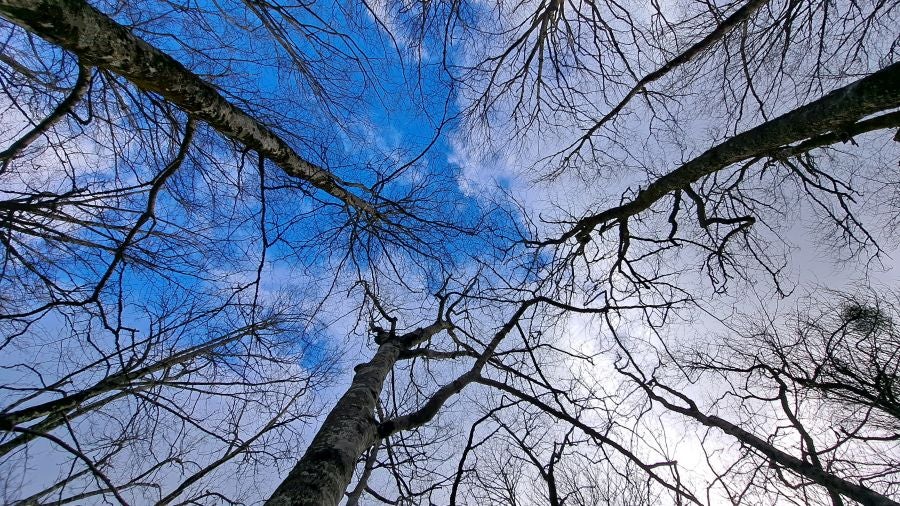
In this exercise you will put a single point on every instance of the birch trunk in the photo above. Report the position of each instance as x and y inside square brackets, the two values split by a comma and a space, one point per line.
[832, 117]
[97, 40]
[325, 470]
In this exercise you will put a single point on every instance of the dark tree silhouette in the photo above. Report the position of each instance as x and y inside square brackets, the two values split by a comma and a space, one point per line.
[202, 232]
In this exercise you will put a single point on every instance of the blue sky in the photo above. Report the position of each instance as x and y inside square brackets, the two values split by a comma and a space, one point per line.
[370, 116]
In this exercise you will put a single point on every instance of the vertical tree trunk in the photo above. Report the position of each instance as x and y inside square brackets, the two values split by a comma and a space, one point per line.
[325, 470]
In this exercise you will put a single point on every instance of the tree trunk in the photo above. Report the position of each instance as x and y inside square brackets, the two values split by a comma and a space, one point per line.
[827, 480]
[833, 117]
[56, 412]
[325, 470]
[97, 40]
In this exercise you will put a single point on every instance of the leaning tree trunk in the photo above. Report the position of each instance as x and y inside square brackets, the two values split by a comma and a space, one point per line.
[50, 415]
[98, 40]
[827, 480]
[835, 117]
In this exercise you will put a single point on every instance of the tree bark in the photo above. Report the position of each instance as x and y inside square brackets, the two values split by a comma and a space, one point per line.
[837, 113]
[97, 40]
[82, 85]
[55, 413]
[326, 469]
[830, 482]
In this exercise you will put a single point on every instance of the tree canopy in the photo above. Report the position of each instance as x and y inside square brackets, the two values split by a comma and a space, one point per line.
[449, 252]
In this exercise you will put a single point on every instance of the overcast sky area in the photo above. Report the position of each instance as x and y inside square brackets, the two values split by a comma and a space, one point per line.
[648, 281]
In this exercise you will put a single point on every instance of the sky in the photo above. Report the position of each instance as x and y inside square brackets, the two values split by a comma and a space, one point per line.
[365, 119]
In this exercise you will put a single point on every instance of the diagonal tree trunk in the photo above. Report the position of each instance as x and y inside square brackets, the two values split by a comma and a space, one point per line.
[325, 470]
[824, 121]
[50, 415]
[831, 482]
[97, 40]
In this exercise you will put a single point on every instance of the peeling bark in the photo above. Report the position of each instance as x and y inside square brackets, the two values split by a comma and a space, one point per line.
[97, 40]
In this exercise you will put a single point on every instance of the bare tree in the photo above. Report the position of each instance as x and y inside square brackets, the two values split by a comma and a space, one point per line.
[158, 203]
[136, 272]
